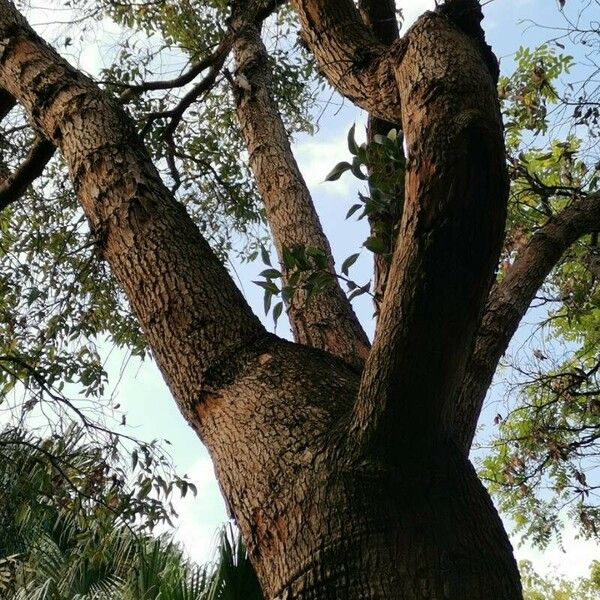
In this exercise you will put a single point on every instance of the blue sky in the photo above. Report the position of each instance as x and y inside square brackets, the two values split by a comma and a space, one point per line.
[151, 410]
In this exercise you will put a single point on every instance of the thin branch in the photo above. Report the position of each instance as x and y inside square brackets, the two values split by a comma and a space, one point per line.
[32, 167]
[509, 301]
[328, 323]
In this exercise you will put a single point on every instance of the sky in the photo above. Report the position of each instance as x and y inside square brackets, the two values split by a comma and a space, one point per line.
[150, 409]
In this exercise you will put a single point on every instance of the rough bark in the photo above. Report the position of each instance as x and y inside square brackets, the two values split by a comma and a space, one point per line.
[509, 301]
[275, 415]
[191, 312]
[327, 321]
[449, 242]
[380, 17]
[356, 64]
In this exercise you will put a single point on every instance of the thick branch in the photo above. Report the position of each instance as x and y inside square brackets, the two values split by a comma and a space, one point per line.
[192, 314]
[15, 185]
[355, 63]
[450, 239]
[328, 321]
[380, 16]
[509, 301]
[7, 102]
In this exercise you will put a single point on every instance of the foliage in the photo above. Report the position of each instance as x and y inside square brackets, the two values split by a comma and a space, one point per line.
[537, 587]
[541, 461]
[72, 529]
[381, 163]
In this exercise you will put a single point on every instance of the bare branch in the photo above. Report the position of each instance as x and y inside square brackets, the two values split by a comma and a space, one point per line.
[356, 64]
[509, 301]
[7, 102]
[328, 322]
[14, 186]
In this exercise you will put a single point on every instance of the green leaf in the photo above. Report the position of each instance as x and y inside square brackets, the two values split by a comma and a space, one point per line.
[375, 245]
[338, 171]
[348, 263]
[270, 273]
[353, 209]
[268, 285]
[277, 310]
[265, 256]
[352, 145]
[267, 301]
[356, 170]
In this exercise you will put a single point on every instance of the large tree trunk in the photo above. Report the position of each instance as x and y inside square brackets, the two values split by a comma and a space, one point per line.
[343, 488]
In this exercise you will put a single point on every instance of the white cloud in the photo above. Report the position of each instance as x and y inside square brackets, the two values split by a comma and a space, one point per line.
[200, 516]
[571, 561]
[413, 9]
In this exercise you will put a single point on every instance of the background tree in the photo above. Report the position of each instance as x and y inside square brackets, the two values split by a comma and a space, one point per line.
[74, 529]
[332, 473]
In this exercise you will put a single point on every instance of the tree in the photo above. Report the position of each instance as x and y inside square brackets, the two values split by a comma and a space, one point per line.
[77, 525]
[557, 588]
[346, 466]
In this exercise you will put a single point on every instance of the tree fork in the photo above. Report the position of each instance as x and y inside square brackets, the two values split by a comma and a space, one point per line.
[274, 414]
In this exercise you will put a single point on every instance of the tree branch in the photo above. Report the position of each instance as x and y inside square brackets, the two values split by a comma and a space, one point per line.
[449, 243]
[328, 321]
[355, 63]
[255, 11]
[15, 185]
[380, 16]
[192, 314]
[218, 56]
[509, 301]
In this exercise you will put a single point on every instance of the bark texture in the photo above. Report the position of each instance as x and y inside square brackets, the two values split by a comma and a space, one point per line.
[325, 512]
[189, 308]
[328, 321]
[356, 64]
[449, 242]
[380, 17]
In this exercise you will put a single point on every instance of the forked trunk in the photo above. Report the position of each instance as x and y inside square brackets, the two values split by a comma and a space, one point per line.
[321, 528]
[344, 487]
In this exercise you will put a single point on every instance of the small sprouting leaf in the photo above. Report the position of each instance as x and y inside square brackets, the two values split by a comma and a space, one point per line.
[265, 256]
[338, 171]
[348, 263]
[352, 145]
[277, 310]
